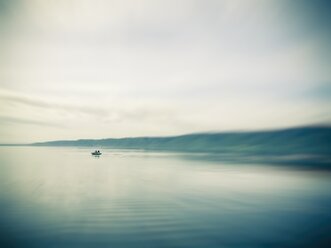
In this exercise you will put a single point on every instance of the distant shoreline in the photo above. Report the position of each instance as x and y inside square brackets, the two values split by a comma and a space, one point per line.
[301, 145]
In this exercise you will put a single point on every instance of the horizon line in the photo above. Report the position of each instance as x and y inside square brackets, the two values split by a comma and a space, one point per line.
[178, 135]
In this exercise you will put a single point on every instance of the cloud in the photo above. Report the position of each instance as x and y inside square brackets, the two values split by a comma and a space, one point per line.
[23, 121]
[21, 108]
[8, 97]
[120, 68]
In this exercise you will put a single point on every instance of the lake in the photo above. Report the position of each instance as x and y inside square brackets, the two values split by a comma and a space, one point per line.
[65, 197]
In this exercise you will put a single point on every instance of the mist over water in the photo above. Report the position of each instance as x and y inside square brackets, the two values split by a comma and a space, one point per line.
[64, 197]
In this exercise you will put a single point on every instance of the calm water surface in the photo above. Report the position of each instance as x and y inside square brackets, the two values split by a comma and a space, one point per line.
[64, 197]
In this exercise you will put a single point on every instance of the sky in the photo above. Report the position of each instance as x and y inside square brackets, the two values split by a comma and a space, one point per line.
[72, 69]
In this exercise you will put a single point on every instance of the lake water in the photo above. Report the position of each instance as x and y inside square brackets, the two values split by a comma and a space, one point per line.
[64, 197]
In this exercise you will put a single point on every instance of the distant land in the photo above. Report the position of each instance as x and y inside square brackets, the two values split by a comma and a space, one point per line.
[303, 140]
[293, 145]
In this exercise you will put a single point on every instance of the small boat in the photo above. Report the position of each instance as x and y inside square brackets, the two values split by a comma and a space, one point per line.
[96, 153]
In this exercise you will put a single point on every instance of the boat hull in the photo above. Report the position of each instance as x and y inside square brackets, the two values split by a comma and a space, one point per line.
[96, 153]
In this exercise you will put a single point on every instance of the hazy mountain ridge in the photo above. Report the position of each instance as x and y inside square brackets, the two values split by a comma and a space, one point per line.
[303, 140]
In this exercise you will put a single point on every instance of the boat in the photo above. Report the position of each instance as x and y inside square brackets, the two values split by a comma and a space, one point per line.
[96, 153]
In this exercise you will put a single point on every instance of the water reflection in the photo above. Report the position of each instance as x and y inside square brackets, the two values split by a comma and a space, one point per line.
[64, 197]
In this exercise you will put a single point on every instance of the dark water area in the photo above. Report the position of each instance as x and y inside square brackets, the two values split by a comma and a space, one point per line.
[64, 197]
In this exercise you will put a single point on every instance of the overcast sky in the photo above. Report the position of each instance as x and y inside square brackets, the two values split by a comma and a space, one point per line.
[97, 69]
